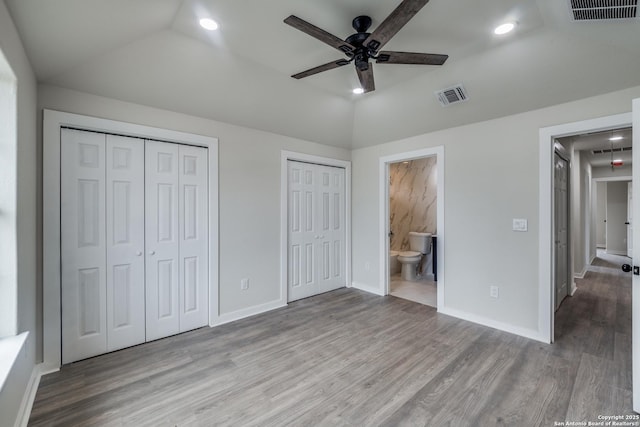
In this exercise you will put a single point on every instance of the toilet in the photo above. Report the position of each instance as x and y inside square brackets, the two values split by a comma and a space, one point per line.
[419, 245]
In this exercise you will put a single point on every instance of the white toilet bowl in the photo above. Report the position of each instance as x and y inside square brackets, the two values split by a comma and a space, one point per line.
[420, 244]
[409, 261]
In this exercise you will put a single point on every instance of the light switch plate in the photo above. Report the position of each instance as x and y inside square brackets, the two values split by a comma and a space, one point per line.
[520, 224]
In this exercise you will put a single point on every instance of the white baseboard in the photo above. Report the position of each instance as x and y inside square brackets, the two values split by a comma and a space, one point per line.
[573, 290]
[367, 288]
[523, 332]
[248, 312]
[29, 396]
[613, 252]
[580, 275]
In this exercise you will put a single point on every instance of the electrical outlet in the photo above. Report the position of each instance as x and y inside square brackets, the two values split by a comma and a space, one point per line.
[494, 292]
[244, 284]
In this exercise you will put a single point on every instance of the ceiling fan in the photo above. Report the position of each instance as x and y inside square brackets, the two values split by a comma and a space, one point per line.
[362, 46]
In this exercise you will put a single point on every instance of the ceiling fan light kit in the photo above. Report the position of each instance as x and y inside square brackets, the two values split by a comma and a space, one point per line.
[362, 46]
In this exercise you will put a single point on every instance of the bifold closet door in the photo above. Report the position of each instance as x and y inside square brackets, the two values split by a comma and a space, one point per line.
[125, 242]
[102, 239]
[303, 230]
[331, 226]
[176, 238]
[193, 208]
[83, 248]
[316, 222]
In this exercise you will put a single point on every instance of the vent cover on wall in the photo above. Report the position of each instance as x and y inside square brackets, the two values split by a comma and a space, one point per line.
[600, 10]
[611, 150]
[452, 95]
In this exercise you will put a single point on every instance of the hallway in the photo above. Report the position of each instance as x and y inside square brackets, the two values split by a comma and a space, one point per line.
[594, 328]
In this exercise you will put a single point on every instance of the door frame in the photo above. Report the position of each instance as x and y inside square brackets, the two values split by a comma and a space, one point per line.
[285, 156]
[438, 153]
[51, 135]
[546, 250]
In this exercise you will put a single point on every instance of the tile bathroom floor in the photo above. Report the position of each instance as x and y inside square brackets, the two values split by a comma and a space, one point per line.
[422, 291]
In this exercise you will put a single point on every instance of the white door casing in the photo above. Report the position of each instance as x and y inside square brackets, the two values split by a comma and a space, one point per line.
[635, 286]
[193, 236]
[125, 241]
[316, 229]
[83, 249]
[561, 216]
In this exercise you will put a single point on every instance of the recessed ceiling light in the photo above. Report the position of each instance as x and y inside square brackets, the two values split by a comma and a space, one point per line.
[504, 28]
[208, 24]
[358, 91]
[615, 138]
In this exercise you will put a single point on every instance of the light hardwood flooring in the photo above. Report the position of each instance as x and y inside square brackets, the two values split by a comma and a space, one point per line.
[347, 358]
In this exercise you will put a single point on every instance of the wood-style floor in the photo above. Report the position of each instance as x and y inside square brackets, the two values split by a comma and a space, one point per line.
[347, 358]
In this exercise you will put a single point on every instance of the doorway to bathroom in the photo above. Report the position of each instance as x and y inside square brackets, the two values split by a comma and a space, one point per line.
[412, 192]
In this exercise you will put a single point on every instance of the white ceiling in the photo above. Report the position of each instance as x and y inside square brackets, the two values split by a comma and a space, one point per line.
[152, 52]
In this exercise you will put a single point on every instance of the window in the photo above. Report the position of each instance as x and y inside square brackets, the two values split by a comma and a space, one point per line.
[8, 247]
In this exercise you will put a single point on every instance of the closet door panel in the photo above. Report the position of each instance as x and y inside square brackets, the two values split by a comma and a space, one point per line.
[331, 191]
[162, 239]
[193, 235]
[302, 231]
[125, 242]
[83, 249]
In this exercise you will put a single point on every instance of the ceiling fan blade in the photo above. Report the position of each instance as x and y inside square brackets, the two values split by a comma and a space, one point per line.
[366, 79]
[325, 67]
[394, 22]
[389, 57]
[319, 34]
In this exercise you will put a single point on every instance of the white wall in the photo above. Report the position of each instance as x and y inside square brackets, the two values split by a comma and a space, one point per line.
[616, 217]
[249, 177]
[26, 206]
[580, 213]
[491, 177]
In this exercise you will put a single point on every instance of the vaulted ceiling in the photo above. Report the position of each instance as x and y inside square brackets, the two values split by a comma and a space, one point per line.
[153, 52]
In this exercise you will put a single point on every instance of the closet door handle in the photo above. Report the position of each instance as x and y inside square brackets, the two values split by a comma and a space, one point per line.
[152, 252]
[138, 253]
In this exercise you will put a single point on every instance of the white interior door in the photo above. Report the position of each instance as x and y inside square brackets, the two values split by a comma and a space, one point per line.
[630, 220]
[303, 230]
[125, 241]
[162, 240]
[316, 222]
[561, 223]
[193, 237]
[83, 248]
[331, 211]
[635, 290]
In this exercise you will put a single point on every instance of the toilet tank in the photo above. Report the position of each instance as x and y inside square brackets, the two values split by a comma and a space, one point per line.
[420, 242]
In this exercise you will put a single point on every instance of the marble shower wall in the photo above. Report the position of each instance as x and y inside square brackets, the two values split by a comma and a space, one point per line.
[412, 204]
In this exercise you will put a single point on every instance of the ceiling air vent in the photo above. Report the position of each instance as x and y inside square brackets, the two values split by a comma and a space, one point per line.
[609, 150]
[452, 95]
[601, 10]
